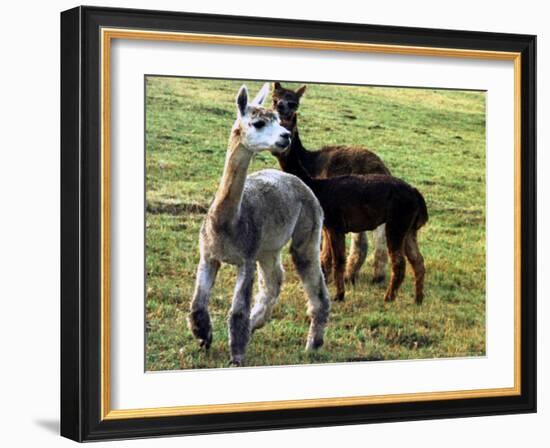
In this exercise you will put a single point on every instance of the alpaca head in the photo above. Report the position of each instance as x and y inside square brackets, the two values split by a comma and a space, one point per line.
[286, 101]
[258, 128]
[291, 124]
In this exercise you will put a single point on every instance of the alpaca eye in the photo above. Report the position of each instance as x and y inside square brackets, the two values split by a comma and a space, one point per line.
[292, 104]
[259, 124]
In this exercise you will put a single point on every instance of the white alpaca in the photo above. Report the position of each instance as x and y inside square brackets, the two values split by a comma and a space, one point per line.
[249, 222]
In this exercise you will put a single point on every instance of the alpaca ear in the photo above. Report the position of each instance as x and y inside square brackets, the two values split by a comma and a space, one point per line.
[242, 100]
[261, 96]
[277, 85]
[301, 91]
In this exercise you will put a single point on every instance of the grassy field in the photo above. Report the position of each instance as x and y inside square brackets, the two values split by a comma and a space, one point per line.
[433, 139]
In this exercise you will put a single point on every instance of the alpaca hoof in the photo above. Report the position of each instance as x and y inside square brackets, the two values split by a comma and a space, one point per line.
[328, 278]
[388, 299]
[255, 328]
[314, 344]
[419, 300]
[377, 279]
[206, 343]
[199, 324]
[327, 273]
[350, 279]
[256, 323]
[236, 361]
[339, 297]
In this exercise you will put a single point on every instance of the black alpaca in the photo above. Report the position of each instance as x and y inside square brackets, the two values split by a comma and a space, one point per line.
[338, 160]
[355, 203]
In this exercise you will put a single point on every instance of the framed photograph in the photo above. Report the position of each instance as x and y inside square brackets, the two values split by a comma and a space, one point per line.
[276, 224]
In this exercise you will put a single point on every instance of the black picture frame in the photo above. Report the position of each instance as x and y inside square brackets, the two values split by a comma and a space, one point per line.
[81, 224]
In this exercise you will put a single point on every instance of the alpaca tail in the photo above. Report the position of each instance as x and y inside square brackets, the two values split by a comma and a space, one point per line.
[422, 217]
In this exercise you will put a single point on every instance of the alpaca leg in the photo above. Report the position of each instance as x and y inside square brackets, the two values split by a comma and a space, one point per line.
[357, 256]
[380, 254]
[239, 315]
[326, 257]
[338, 251]
[306, 260]
[395, 236]
[417, 262]
[397, 274]
[199, 319]
[270, 275]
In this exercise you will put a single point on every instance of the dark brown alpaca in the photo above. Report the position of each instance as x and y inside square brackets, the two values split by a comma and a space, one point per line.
[354, 203]
[332, 161]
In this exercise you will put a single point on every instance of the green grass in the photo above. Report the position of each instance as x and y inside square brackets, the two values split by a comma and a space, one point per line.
[433, 139]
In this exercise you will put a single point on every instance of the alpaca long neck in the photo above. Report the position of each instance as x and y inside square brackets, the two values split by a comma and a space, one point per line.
[297, 146]
[301, 152]
[291, 163]
[307, 158]
[227, 202]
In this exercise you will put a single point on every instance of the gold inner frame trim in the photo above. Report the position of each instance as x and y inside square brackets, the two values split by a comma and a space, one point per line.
[107, 35]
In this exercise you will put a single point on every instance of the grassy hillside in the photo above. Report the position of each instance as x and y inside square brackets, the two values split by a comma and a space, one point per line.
[433, 139]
